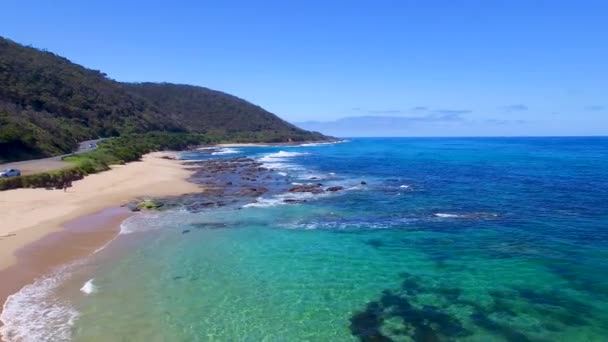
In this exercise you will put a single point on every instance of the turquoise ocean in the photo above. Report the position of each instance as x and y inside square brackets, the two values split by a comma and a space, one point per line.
[432, 239]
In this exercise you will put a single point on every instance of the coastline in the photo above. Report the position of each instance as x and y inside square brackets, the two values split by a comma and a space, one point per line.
[287, 144]
[42, 229]
[79, 238]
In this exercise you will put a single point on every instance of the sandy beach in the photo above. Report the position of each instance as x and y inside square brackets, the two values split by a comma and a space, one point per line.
[38, 230]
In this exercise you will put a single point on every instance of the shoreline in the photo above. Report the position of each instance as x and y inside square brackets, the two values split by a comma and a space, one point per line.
[286, 144]
[43, 229]
[80, 237]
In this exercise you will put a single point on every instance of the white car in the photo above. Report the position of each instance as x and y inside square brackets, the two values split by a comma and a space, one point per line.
[10, 173]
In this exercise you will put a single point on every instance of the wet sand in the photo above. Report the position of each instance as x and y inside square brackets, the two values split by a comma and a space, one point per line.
[79, 238]
[43, 229]
[30, 214]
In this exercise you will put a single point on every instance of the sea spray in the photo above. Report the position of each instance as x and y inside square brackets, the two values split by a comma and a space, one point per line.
[88, 287]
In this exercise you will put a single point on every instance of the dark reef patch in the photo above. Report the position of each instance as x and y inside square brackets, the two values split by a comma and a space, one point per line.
[420, 322]
[376, 243]
[404, 313]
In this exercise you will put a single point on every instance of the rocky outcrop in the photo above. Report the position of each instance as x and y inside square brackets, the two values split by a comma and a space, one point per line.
[312, 188]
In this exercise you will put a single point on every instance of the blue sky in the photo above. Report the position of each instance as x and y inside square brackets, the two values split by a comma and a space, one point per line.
[411, 68]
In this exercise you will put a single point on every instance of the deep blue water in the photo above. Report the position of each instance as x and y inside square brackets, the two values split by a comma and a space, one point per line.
[472, 239]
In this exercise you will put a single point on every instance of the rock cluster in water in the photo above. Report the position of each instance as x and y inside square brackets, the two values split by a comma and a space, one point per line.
[231, 181]
[223, 181]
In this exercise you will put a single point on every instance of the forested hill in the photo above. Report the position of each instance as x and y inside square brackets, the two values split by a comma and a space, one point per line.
[203, 109]
[48, 104]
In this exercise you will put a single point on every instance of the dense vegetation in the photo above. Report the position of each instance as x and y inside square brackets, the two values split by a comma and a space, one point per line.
[48, 104]
[203, 110]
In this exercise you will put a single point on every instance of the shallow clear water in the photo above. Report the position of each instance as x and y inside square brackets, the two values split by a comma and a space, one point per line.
[451, 239]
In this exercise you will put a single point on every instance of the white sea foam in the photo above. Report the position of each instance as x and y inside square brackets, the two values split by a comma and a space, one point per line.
[88, 287]
[446, 215]
[151, 221]
[33, 314]
[339, 225]
[105, 245]
[281, 160]
[143, 222]
[225, 150]
[284, 174]
[263, 202]
[318, 176]
[405, 187]
[281, 154]
[475, 215]
[286, 198]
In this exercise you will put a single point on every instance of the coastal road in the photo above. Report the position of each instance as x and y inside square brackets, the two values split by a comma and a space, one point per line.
[29, 167]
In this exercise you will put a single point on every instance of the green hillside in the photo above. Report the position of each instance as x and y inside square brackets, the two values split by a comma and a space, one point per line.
[48, 104]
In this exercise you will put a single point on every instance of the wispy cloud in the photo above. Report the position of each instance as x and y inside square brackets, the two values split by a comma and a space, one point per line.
[383, 125]
[385, 111]
[452, 111]
[595, 108]
[506, 122]
[413, 110]
[448, 114]
[419, 108]
[515, 108]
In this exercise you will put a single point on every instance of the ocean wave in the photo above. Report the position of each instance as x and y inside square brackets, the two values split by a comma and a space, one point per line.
[281, 199]
[475, 215]
[169, 219]
[281, 154]
[288, 198]
[445, 215]
[351, 224]
[33, 314]
[88, 287]
[143, 222]
[264, 203]
[280, 160]
[311, 176]
[225, 150]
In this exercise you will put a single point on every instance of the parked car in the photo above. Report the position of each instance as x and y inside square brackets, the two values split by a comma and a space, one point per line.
[10, 173]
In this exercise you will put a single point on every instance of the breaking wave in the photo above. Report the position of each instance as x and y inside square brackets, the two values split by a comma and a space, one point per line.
[34, 314]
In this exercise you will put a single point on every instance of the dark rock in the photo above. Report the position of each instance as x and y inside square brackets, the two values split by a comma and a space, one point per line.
[335, 188]
[363, 183]
[257, 191]
[185, 231]
[312, 188]
[132, 206]
[293, 201]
